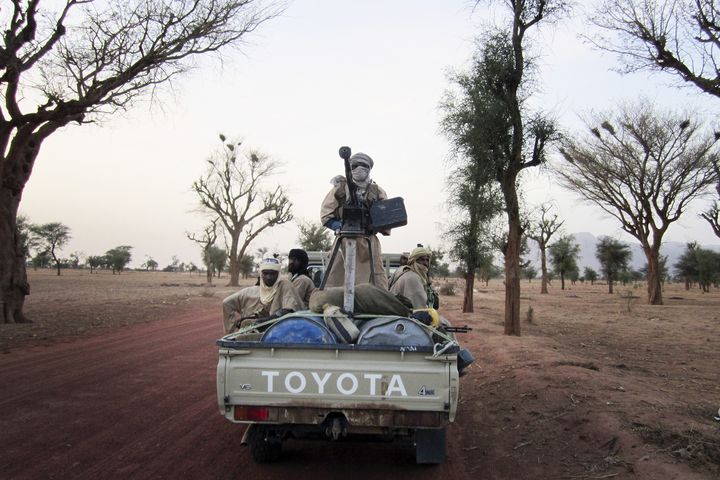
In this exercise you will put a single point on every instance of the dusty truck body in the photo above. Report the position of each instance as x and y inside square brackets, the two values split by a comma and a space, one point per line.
[335, 391]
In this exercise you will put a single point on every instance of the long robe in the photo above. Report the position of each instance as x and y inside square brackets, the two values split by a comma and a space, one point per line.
[246, 302]
[332, 208]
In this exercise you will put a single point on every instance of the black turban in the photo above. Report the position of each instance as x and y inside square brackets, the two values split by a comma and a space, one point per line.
[300, 255]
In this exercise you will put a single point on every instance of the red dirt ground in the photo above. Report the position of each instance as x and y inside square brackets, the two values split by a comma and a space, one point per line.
[116, 379]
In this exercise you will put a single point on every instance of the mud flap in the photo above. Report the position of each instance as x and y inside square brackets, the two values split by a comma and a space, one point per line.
[430, 445]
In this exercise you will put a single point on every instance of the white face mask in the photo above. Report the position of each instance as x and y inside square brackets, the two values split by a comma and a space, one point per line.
[360, 174]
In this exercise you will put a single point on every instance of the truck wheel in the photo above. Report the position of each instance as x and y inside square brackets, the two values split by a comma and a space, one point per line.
[263, 448]
[430, 445]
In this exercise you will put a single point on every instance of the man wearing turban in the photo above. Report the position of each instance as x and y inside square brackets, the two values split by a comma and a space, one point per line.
[368, 192]
[412, 280]
[272, 297]
[299, 276]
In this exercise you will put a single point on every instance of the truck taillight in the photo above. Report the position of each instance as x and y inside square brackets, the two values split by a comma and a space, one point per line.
[255, 414]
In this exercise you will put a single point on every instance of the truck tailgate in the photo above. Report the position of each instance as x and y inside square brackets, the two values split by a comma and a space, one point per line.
[337, 379]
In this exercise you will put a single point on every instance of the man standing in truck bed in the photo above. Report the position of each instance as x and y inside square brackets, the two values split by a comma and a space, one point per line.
[331, 216]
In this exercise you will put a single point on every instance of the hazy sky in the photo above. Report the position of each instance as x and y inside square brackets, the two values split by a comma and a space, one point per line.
[328, 73]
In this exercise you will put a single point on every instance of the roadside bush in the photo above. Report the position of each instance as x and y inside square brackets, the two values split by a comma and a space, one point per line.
[447, 288]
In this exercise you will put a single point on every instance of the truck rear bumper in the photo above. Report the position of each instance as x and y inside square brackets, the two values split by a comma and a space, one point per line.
[355, 418]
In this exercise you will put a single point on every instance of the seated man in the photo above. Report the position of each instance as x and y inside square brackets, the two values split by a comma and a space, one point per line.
[299, 276]
[273, 297]
[412, 280]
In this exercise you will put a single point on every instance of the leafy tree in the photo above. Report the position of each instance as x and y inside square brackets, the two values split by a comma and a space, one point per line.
[529, 272]
[217, 259]
[442, 270]
[50, 238]
[150, 264]
[573, 275]
[246, 265]
[314, 237]
[474, 124]
[700, 265]
[614, 257]
[708, 266]
[590, 275]
[487, 270]
[233, 189]
[511, 140]
[642, 167]
[207, 240]
[681, 38]
[541, 230]
[41, 259]
[75, 62]
[117, 258]
[96, 261]
[563, 256]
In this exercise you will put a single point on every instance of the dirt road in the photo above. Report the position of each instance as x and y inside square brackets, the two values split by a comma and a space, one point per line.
[590, 391]
[140, 403]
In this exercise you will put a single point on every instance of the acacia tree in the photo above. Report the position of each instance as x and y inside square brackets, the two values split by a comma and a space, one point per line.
[233, 189]
[118, 258]
[563, 255]
[516, 140]
[642, 167]
[49, 238]
[541, 230]
[206, 240]
[95, 261]
[314, 237]
[590, 274]
[614, 257]
[681, 37]
[84, 61]
[712, 214]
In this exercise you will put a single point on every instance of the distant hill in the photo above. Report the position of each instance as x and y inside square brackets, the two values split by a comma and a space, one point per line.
[587, 242]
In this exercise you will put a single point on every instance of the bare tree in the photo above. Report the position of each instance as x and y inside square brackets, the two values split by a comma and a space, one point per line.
[207, 240]
[681, 37]
[233, 189]
[643, 168]
[85, 61]
[541, 230]
[712, 214]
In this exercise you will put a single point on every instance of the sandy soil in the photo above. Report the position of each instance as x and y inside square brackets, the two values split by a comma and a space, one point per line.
[115, 379]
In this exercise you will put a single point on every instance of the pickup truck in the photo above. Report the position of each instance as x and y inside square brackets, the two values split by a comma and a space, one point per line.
[287, 387]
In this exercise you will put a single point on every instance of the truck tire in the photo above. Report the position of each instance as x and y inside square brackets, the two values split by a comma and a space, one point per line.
[263, 449]
[430, 445]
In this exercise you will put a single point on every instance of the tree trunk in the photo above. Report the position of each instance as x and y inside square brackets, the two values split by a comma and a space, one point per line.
[468, 298]
[512, 273]
[13, 277]
[234, 261]
[654, 285]
[58, 268]
[610, 285]
[562, 280]
[543, 268]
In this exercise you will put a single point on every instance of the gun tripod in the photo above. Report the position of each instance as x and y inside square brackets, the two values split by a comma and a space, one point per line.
[349, 239]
